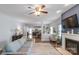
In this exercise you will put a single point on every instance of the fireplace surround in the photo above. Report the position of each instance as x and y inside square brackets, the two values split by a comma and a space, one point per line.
[72, 46]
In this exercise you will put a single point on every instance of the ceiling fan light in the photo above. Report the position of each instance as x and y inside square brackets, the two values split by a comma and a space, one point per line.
[37, 13]
[39, 9]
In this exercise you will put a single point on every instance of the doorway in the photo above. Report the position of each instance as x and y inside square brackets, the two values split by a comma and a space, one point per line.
[37, 35]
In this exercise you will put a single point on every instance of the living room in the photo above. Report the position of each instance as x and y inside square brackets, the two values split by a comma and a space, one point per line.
[21, 27]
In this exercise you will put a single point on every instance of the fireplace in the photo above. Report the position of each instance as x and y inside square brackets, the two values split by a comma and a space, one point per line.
[72, 46]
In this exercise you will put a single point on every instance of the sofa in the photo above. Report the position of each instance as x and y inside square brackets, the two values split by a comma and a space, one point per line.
[17, 47]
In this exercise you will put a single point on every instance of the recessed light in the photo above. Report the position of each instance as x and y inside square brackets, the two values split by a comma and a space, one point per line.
[58, 11]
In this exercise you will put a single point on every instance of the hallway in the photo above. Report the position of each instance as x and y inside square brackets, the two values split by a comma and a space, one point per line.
[42, 49]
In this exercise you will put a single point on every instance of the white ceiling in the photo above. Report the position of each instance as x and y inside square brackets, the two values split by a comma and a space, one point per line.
[21, 11]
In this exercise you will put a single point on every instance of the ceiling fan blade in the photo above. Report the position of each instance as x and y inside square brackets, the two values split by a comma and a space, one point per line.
[30, 7]
[31, 13]
[43, 6]
[44, 12]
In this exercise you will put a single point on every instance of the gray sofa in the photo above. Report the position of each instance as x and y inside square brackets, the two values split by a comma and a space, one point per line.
[17, 47]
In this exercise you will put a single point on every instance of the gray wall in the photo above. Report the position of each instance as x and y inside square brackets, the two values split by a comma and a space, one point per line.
[70, 12]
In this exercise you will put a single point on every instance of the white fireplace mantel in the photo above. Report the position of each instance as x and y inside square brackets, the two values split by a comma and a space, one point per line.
[69, 36]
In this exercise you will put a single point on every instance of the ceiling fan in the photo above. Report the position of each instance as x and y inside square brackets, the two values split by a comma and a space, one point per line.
[38, 10]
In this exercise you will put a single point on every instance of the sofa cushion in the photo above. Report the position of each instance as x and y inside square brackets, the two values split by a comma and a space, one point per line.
[13, 46]
[22, 40]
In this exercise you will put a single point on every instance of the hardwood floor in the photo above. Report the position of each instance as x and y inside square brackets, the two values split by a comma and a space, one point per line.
[42, 48]
[63, 51]
[59, 48]
[45, 48]
[37, 40]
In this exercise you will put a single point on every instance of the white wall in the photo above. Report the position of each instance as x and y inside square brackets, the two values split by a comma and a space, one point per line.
[45, 36]
[55, 23]
[7, 25]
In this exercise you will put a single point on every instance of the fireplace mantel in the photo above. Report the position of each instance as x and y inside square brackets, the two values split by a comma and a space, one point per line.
[69, 36]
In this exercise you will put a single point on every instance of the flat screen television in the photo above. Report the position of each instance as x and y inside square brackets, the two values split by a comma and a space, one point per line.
[71, 22]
